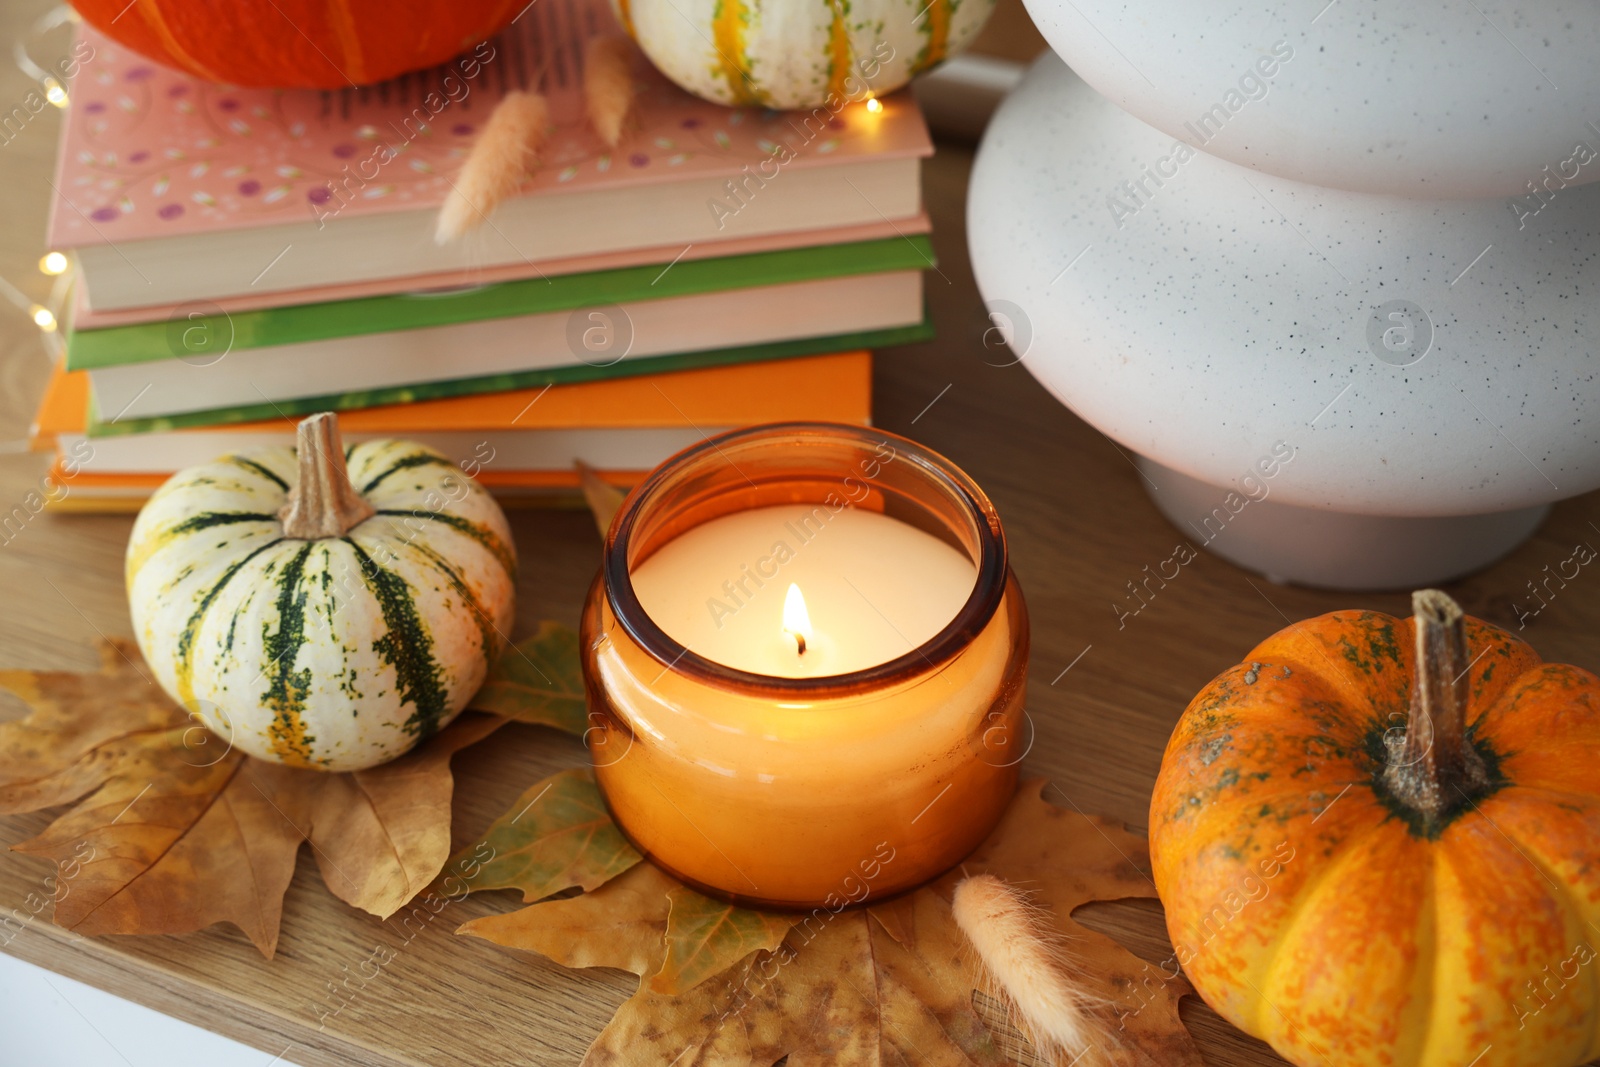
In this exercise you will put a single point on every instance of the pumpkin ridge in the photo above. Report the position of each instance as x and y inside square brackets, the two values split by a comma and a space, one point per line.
[938, 40]
[1223, 705]
[625, 16]
[488, 636]
[150, 11]
[185, 650]
[838, 50]
[1217, 808]
[728, 20]
[1564, 900]
[478, 532]
[405, 463]
[259, 468]
[1554, 795]
[1427, 975]
[1561, 893]
[342, 21]
[406, 647]
[1332, 863]
[1344, 669]
[1532, 684]
[286, 688]
[205, 520]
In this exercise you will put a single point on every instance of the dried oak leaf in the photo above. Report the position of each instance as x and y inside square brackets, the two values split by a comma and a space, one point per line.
[173, 831]
[890, 983]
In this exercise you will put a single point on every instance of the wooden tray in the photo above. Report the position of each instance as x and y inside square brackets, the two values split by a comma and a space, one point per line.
[1103, 698]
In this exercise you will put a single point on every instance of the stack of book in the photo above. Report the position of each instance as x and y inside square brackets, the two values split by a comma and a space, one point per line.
[246, 257]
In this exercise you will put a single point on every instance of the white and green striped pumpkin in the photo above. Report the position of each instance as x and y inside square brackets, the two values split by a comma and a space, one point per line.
[319, 606]
[798, 53]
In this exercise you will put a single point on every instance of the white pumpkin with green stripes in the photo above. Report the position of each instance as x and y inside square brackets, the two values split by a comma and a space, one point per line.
[799, 53]
[319, 606]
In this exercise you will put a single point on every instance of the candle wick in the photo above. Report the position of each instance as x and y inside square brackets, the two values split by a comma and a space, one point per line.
[800, 639]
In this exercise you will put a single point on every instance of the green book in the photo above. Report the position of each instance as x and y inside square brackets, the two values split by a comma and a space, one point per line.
[922, 331]
[194, 338]
[630, 320]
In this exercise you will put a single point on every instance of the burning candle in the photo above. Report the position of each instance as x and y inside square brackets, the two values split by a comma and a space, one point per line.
[804, 660]
[741, 588]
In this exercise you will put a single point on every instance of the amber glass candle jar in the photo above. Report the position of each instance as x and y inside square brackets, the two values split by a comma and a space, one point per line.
[789, 785]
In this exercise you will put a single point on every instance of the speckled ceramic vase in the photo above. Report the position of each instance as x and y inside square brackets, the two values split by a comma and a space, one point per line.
[1446, 100]
[1340, 383]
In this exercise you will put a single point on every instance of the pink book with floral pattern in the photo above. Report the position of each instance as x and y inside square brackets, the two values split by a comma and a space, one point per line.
[158, 168]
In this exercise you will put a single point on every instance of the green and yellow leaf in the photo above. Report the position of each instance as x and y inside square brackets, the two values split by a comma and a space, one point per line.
[558, 835]
[705, 937]
[538, 680]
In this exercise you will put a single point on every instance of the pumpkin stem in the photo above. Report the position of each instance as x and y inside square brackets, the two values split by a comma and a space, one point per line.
[322, 503]
[1438, 768]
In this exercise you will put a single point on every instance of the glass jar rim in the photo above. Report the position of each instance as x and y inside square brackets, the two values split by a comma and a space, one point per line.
[988, 589]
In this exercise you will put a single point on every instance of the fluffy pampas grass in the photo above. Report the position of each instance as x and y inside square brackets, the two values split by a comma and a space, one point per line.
[502, 156]
[608, 85]
[1024, 963]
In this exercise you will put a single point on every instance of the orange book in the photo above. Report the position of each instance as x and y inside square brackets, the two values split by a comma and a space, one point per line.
[524, 440]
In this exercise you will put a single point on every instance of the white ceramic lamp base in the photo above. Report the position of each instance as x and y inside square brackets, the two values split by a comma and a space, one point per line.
[1373, 368]
[1335, 549]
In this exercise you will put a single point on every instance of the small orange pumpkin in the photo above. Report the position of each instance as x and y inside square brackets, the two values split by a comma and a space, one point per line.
[1378, 843]
[299, 44]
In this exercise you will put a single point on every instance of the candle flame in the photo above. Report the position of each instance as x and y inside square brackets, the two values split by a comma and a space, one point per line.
[796, 620]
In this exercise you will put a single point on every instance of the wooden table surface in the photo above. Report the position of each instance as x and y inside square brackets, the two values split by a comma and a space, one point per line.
[1080, 527]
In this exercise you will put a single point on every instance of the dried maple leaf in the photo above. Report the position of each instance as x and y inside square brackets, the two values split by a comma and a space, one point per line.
[538, 680]
[644, 921]
[620, 925]
[1065, 859]
[172, 831]
[889, 983]
[556, 836]
[838, 990]
[704, 936]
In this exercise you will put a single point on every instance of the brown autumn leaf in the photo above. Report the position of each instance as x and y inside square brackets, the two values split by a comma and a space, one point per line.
[172, 831]
[1066, 859]
[838, 990]
[889, 983]
[644, 921]
[620, 925]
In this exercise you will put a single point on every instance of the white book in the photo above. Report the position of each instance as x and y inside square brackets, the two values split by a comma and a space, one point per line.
[599, 337]
[608, 448]
[526, 231]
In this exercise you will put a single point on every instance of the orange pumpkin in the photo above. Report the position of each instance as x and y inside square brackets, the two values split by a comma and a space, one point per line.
[299, 44]
[1378, 842]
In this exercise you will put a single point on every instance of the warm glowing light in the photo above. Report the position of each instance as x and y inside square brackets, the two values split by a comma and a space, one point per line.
[796, 620]
[54, 93]
[47, 322]
[52, 263]
[874, 105]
